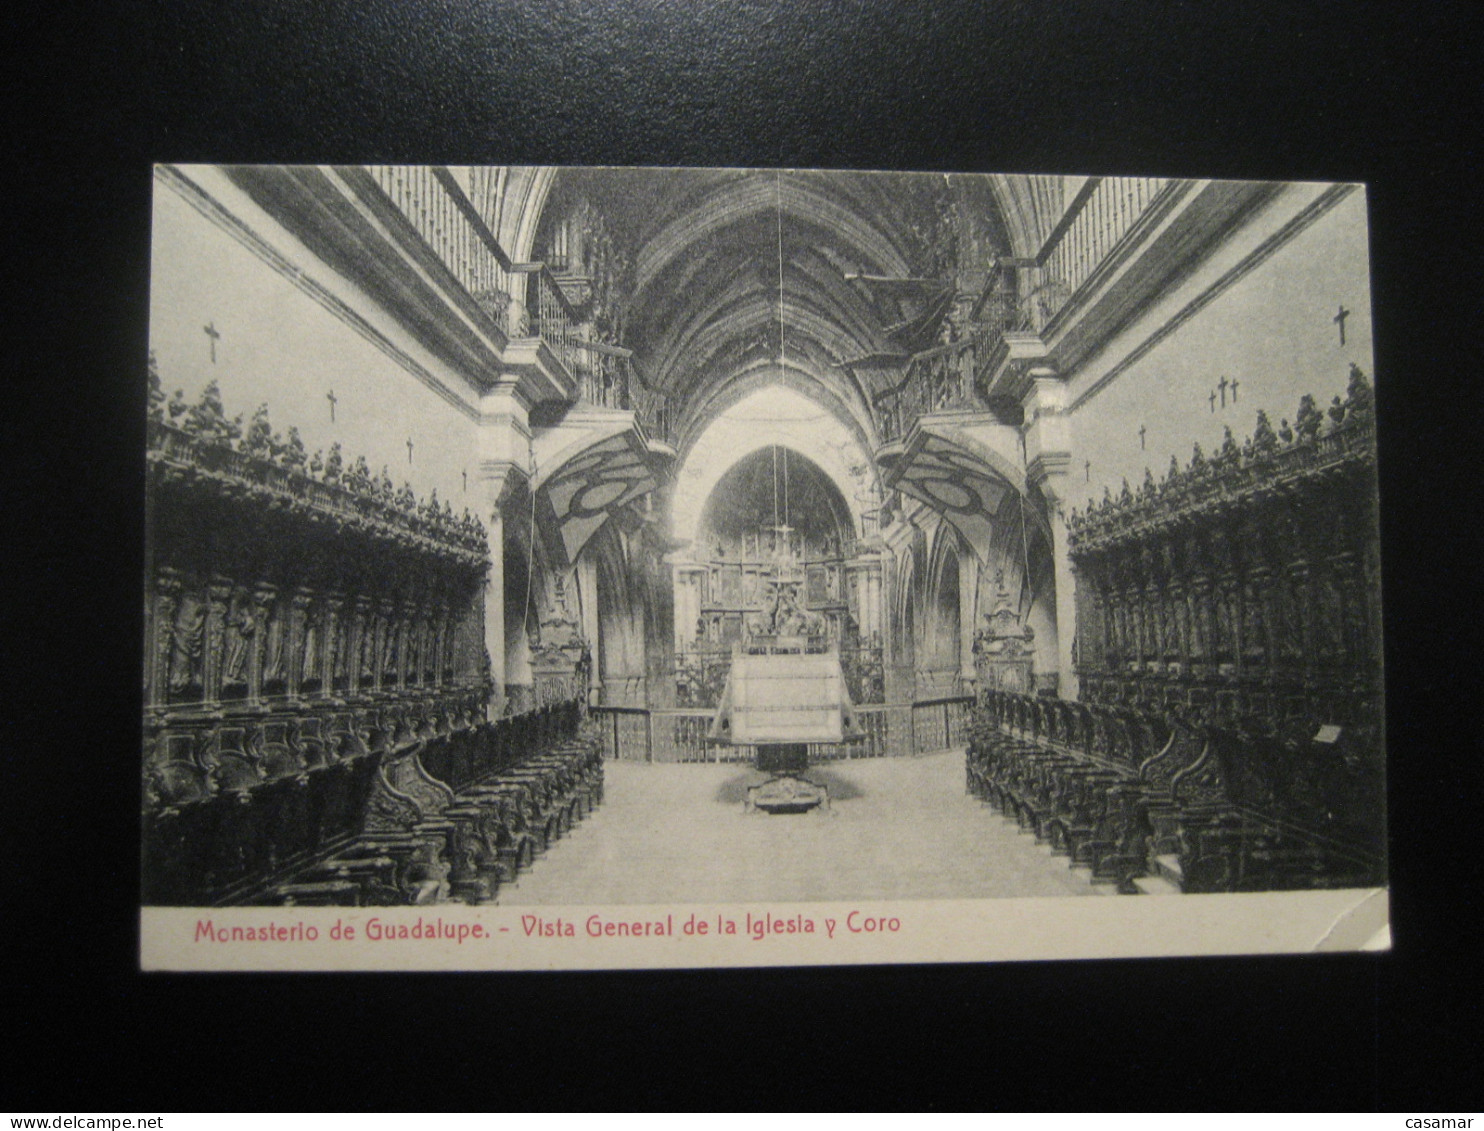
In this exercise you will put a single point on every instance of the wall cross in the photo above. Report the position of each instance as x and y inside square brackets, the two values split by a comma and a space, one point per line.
[1142, 430]
[409, 449]
[1087, 470]
[334, 400]
[1222, 384]
[1212, 399]
[213, 333]
[465, 474]
[1235, 383]
[1339, 320]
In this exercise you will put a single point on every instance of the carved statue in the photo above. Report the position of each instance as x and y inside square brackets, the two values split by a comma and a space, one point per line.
[1285, 433]
[334, 463]
[241, 625]
[414, 650]
[1263, 439]
[1196, 617]
[1225, 637]
[337, 650]
[187, 642]
[367, 640]
[273, 647]
[388, 658]
[310, 668]
[1309, 420]
[259, 438]
[1228, 446]
[207, 419]
[293, 451]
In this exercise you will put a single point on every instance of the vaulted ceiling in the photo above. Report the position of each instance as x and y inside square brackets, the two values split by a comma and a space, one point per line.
[825, 282]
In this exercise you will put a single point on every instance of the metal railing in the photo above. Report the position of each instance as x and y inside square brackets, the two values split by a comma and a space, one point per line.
[937, 380]
[523, 299]
[555, 321]
[608, 377]
[667, 735]
[651, 406]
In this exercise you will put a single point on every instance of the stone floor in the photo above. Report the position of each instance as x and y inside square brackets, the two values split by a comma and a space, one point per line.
[897, 828]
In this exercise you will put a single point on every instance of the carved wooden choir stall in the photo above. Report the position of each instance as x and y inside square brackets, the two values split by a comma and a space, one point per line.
[315, 685]
[1229, 734]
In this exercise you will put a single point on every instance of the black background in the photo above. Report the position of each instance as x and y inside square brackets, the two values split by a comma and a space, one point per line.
[1291, 90]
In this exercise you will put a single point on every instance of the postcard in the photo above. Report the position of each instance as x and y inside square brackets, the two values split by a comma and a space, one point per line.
[595, 568]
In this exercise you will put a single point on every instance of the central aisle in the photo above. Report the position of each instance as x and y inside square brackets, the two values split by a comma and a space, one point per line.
[898, 828]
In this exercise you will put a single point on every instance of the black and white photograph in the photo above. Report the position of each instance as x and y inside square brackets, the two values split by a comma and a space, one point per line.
[592, 567]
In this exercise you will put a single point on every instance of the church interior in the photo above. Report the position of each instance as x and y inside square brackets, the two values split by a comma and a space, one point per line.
[475, 493]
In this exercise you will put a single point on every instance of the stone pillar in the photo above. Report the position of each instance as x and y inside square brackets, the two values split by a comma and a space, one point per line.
[876, 616]
[687, 602]
[1048, 457]
[504, 460]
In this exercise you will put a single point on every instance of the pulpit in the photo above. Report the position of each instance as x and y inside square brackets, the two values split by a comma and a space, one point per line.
[1004, 656]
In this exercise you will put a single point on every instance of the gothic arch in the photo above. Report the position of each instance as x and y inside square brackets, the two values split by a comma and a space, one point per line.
[698, 480]
[942, 602]
[798, 378]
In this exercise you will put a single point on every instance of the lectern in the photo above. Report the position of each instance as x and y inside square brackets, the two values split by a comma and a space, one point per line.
[781, 697]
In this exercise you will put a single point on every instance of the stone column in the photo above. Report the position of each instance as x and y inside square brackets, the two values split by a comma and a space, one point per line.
[687, 602]
[1048, 458]
[876, 615]
[504, 461]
